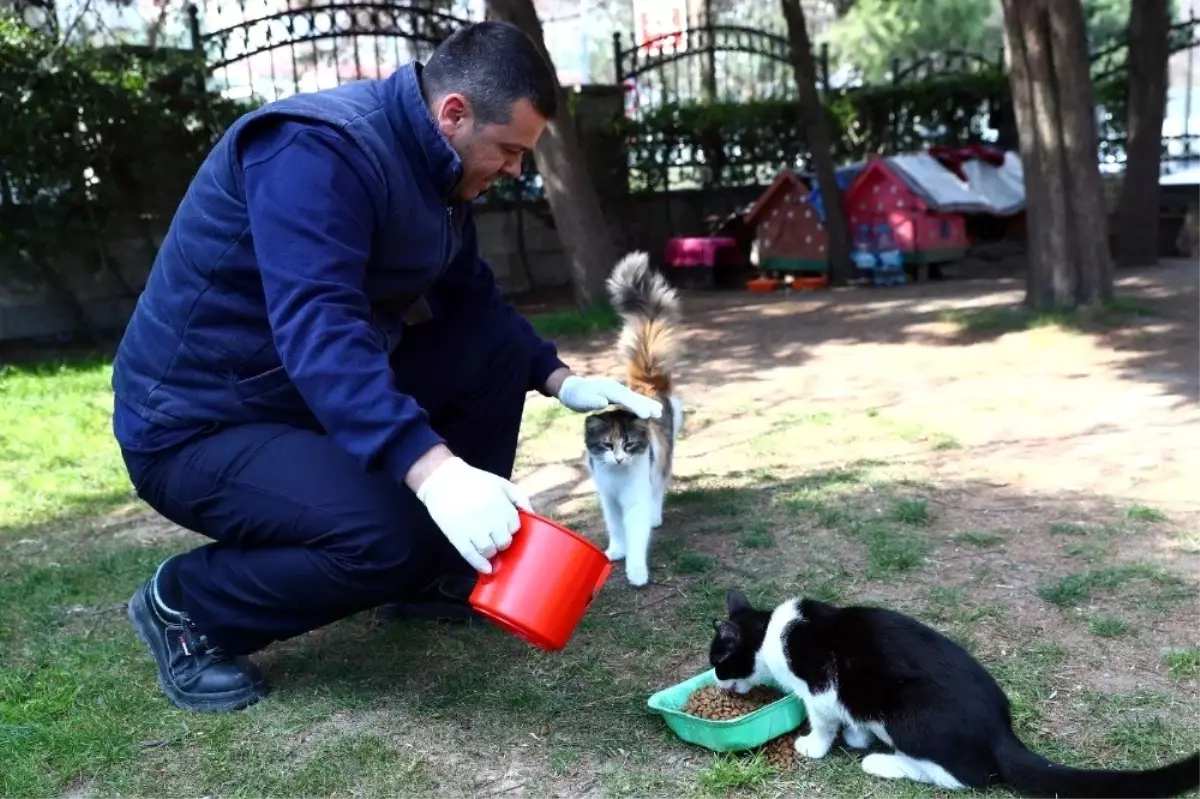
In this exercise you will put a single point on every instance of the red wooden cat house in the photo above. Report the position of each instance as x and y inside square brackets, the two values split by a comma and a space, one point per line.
[789, 237]
[879, 196]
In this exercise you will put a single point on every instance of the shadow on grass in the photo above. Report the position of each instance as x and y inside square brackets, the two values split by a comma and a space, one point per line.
[997, 320]
[81, 510]
[23, 357]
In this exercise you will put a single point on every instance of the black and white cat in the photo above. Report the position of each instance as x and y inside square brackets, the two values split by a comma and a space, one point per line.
[879, 675]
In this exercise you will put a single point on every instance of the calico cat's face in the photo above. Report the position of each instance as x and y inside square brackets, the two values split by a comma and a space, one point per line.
[616, 437]
[737, 640]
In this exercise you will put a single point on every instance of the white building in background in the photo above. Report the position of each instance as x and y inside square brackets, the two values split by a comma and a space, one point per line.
[1182, 115]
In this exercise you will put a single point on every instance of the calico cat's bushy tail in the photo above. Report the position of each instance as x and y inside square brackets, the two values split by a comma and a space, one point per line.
[650, 311]
[1033, 775]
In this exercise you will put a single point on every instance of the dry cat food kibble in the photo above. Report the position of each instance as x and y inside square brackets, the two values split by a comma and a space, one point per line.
[779, 752]
[712, 703]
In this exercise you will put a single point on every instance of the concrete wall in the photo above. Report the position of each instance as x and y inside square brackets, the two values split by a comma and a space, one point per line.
[105, 290]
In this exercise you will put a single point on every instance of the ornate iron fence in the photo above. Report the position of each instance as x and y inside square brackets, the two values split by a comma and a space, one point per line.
[666, 75]
[722, 63]
[273, 48]
[1181, 135]
[267, 49]
[952, 62]
[978, 115]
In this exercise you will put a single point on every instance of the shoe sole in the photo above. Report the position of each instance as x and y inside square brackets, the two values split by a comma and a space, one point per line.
[136, 609]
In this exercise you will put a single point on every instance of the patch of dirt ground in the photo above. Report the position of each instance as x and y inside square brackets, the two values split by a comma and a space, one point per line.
[1112, 415]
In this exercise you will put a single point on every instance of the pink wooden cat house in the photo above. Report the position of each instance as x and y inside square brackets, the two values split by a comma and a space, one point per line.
[788, 234]
[878, 196]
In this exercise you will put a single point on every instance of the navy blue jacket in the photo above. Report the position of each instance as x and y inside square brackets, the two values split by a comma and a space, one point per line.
[314, 229]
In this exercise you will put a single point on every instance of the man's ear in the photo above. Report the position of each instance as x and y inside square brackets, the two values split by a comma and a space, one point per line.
[453, 114]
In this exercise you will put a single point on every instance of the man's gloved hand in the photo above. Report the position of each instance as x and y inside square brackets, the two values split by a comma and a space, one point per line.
[582, 394]
[476, 510]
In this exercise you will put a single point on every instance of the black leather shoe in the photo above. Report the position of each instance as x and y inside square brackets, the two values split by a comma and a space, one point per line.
[193, 674]
[445, 599]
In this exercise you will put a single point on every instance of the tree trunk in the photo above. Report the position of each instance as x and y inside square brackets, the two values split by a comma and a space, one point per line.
[1137, 211]
[570, 191]
[816, 130]
[1088, 211]
[1053, 101]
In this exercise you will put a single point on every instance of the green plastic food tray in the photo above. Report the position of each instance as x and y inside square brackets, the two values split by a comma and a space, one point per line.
[755, 729]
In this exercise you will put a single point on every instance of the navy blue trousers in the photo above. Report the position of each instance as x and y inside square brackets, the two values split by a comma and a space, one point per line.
[302, 535]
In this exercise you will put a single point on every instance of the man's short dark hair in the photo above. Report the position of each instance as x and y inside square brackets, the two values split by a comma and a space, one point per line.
[494, 65]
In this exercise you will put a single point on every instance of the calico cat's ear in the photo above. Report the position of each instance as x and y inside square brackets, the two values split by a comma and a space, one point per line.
[596, 425]
[735, 601]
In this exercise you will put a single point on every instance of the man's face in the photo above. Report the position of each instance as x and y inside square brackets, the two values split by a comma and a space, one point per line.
[488, 152]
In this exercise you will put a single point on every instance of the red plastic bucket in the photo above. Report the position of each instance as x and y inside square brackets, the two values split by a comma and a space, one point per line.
[541, 586]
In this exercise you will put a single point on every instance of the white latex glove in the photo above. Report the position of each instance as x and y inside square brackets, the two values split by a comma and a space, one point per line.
[475, 510]
[582, 394]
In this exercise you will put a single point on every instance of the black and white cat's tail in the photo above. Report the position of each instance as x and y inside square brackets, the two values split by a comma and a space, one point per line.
[650, 311]
[1033, 775]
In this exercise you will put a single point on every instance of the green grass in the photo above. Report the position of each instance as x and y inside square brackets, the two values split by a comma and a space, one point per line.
[58, 458]
[945, 441]
[693, 563]
[956, 613]
[1108, 627]
[980, 539]
[1068, 528]
[824, 591]
[78, 699]
[713, 500]
[1091, 551]
[370, 706]
[757, 535]
[729, 772]
[598, 319]
[894, 543]
[1161, 589]
[1000, 320]
[1183, 664]
[892, 551]
[1143, 513]
[339, 767]
[907, 510]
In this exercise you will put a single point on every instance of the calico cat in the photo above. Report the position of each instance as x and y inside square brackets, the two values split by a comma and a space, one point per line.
[630, 458]
[876, 674]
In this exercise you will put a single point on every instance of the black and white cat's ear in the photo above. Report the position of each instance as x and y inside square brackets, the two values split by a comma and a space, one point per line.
[736, 602]
[727, 631]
